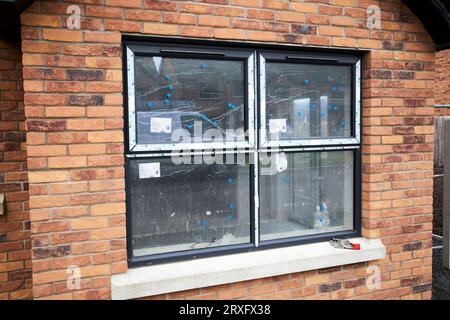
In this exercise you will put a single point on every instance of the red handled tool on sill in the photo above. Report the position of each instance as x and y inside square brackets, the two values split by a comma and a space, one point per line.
[344, 244]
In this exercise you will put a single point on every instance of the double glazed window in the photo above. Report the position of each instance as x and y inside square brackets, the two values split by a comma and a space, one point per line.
[232, 149]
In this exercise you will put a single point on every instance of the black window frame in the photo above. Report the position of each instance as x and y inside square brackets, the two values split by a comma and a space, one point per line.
[203, 52]
[309, 55]
[327, 59]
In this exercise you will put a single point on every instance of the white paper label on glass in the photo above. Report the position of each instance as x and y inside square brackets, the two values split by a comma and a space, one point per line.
[160, 125]
[157, 61]
[149, 170]
[281, 161]
[277, 125]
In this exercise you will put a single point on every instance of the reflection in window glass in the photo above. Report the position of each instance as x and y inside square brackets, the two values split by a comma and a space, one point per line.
[185, 207]
[305, 101]
[190, 94]
[306, 193]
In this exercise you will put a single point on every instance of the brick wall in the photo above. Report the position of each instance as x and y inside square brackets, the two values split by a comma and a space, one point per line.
[442, 88]
[73, 100]
[15, 256]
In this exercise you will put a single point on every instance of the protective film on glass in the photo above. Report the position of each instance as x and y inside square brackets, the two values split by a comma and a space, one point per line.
[191, 94]
[307, 101]
[188, 206]
[306, 193]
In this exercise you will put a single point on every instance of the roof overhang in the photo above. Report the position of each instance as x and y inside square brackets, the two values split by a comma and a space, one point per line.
[435, 16]
[10, 11]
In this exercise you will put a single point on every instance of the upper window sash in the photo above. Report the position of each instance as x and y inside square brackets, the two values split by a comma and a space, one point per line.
[202, 53]
[317, 59]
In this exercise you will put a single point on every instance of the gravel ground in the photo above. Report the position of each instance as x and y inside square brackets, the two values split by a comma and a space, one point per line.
[441, 275]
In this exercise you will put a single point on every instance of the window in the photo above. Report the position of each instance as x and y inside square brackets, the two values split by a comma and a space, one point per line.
[309, 100]
[293, 201]
[192, 89]
[236, 148]
[189, 206]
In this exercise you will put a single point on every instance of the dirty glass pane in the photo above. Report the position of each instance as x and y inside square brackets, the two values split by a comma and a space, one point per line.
[190, 94]
[307, 101]
[188, 206]
[306, 193]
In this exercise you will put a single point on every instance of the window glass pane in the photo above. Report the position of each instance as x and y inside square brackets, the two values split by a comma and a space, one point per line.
[188, 206]
[191, 94]
[307, 101]
[306, 193]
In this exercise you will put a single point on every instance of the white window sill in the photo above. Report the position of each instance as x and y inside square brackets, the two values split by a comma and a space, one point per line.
[192, 274]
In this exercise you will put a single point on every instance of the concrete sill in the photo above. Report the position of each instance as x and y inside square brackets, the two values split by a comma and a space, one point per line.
[192, 274]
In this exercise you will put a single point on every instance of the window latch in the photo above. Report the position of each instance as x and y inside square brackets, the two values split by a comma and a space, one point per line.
[204, 53]
[309, 58]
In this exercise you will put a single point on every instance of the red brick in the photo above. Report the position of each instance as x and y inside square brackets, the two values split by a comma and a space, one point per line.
[62, 35]
[160, 28]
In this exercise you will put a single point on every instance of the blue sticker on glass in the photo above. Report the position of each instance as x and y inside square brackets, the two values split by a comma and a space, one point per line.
[333, 88]
[149, 104]
[189, 126]
[299, 114]
[203, 66]
[230, 180]
[231, 206]
[285, 179]
[167, 77]
[306, 82]
[166, 101]
[170, 87]
[232, 106]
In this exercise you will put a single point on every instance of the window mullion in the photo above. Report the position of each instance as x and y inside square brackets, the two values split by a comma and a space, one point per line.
[256, 137]
[256, 197]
